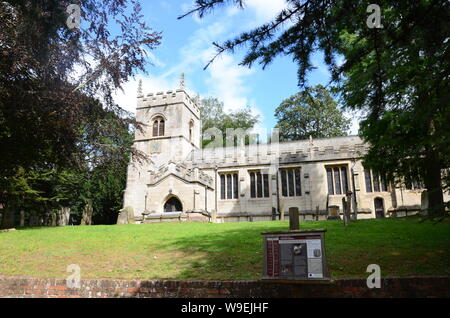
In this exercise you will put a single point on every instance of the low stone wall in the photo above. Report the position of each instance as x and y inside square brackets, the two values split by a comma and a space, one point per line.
[20, 287]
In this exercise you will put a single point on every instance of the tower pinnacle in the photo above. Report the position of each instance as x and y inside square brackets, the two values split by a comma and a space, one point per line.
[139, 90]
[182, 86]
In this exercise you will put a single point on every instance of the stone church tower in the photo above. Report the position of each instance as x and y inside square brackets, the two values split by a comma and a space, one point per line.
[172, 131]
[172, 122]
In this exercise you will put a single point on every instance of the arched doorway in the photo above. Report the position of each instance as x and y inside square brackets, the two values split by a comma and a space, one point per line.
[173, 205]
[379, 208]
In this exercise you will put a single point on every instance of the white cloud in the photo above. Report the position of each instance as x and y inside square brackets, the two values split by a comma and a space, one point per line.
[226, 81]
[128, 98]
[199, 43]
[154, 60]
[355, 117]
[265, 10]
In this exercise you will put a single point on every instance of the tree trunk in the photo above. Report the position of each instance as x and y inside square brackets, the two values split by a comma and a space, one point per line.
[63, 216]
[344, 211]
[433, 183]
[7, 217]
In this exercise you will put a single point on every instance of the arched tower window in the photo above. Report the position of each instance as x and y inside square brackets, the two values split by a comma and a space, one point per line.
[158, 126]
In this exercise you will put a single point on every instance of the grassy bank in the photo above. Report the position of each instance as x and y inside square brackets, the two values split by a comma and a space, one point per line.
[401, 246]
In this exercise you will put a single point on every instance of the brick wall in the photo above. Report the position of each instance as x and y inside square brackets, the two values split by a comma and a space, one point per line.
[19, 287]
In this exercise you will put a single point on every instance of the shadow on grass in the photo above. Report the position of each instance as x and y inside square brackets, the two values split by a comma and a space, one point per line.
[228, 254]
[402, 247]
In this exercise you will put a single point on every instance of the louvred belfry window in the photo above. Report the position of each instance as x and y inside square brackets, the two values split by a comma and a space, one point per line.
[158, 127]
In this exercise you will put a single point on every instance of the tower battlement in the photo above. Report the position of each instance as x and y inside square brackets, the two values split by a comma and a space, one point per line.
[167, 98]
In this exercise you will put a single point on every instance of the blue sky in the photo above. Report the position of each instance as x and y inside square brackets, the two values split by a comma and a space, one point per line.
[187, 47]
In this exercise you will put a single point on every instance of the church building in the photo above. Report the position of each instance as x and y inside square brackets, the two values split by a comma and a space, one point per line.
[182, 181]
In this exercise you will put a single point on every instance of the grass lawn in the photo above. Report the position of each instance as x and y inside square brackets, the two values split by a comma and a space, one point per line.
[401, 246]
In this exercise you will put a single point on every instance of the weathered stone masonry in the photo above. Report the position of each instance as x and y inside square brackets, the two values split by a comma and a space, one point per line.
[181, 181]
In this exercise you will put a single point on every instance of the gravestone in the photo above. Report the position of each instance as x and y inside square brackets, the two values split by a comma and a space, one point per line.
[22, 218]
[126, 216]
[214, 216]
[274, 214]
[424, 203]
[344, 210]
[294, 221]
[87, 215]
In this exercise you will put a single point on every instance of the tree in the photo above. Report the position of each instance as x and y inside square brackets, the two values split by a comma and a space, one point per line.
[312, 112]
[57, 76]
[90, 183]
[397, 71]
[101, 185]
[214, 117]
[41, 103]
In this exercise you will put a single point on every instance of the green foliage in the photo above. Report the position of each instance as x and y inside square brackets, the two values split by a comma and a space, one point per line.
[63, 140]
[312, 112]
[101, 178]
[214, 117]
[98, 178]
[41, 105]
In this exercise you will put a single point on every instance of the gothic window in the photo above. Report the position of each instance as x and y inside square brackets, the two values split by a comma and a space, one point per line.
[368, 179]
[266, 185]
[414, 182]
[161, 127]
[155, 128]
[337, 179]
[259, 185]
[222, 186]
[344, 181]
[252, 185]
[235, 186]
[283, 183]
[158, 127]
[374, 181]
[229, 186]
[291, 182]
[330, 181]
